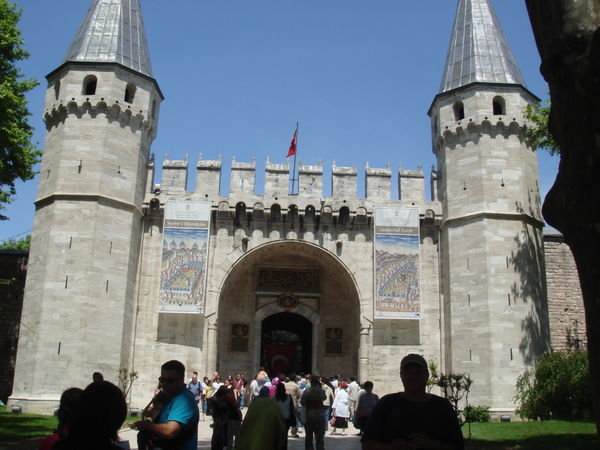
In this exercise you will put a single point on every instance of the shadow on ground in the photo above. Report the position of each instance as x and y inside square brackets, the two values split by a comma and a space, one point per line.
[554, 442]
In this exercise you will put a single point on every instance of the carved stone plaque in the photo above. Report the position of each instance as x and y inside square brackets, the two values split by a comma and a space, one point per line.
[239, 337]
[334, 339]
[295, 280]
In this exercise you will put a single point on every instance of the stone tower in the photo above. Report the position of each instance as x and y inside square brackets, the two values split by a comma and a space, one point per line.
[494, 319]
[101, 116]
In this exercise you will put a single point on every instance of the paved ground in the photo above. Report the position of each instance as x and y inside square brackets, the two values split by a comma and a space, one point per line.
[337, 442]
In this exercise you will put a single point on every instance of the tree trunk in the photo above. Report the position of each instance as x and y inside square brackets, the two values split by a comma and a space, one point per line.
[568, 39]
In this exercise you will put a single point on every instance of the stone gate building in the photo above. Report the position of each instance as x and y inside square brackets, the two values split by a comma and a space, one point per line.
[126, 272]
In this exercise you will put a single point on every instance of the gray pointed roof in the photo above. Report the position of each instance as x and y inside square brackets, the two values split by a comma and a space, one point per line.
[112, 31]
[478, 51]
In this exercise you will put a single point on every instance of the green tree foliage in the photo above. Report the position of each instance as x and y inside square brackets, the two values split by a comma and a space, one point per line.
[16, 244]
[455, 387]
[557, 387]
[126, 380]
[477, 413]
[433, 376]
[538, 134]
[18, 155]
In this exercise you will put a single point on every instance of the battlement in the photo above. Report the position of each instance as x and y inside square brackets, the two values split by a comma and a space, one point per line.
[277, 182]
[378, 182]
[480, 109]
[411, 184]
[174, 176]
[243, 176]
[490, 125]
[310, 180]
[114, 111]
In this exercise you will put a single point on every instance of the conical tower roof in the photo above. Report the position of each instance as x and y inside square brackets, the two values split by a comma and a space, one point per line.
[113, 32]
[478, 51]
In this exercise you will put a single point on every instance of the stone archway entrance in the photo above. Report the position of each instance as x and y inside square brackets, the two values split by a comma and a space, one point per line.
[288, 305]
[286, 344]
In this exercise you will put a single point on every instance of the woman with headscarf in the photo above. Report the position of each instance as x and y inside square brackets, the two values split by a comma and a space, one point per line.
[273, 387]
[340, 409]
[263, 427]
[365, 405]
[226, 419]
[285, 402]
[66, 408]
[97, 417]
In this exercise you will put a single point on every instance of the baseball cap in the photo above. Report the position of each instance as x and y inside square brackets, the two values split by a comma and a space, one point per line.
[413, 358]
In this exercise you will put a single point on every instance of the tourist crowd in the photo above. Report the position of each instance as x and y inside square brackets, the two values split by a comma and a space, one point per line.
[304, 403]
[277, 408]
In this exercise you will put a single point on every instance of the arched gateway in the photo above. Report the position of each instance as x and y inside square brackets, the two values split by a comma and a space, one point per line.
[290, 307]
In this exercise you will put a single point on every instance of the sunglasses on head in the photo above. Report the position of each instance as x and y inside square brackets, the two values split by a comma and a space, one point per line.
[164, 380]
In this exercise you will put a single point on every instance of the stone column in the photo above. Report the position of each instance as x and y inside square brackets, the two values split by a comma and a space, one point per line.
[363, 353]
[211, 348]
[316, 347]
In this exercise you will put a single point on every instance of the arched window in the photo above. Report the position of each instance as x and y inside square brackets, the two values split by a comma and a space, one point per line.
[258, 212]
[89, 85]
[459, 110]
[309, 214]
[361, 216]
[223, 210]
[344, 215]
[275, 213]
[130, 93]
[57, 89]
[499, 106]
[154, 205]
[292, 216]
[240, 213]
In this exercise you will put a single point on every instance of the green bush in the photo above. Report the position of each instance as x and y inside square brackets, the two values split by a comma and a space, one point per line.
[557, 387]
[477, 414]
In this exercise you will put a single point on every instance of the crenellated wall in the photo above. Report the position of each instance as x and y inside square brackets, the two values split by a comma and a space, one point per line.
[309, 185]
[411, 185]
[378, 183]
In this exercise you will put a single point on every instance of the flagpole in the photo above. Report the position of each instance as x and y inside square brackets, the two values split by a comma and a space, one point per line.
[295, 154]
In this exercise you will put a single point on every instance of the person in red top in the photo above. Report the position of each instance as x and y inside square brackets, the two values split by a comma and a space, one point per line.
[68, 400]
[238, 387]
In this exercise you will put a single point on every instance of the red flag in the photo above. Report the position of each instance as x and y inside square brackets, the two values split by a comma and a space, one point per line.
[292, 150]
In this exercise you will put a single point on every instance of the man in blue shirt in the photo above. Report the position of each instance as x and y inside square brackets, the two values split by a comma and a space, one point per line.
[176, 426]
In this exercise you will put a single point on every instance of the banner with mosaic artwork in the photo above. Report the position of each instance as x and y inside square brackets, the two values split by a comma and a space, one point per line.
[184, 256]
[397, 276]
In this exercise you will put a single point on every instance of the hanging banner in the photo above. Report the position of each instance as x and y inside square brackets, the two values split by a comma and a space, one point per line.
[397, 282]
[184, 256]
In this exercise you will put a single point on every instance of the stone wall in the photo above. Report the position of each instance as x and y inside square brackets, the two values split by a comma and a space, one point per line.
[567, 320]
[13, 268]
[565, 302]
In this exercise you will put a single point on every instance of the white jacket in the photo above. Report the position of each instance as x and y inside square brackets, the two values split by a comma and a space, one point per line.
[341, 404]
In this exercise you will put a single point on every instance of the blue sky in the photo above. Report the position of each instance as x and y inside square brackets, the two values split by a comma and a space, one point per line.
[358, 76]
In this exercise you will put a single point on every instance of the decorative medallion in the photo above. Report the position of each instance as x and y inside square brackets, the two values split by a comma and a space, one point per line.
[288, 300]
